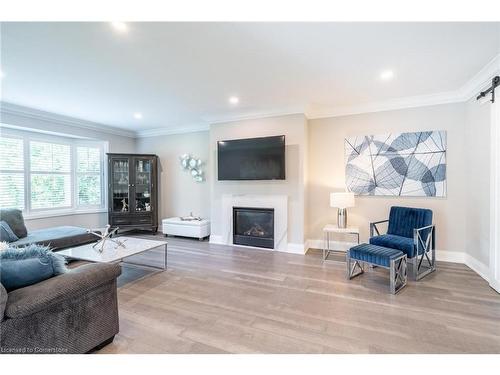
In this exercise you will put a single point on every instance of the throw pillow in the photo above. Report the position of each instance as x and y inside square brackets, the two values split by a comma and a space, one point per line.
[6, 233]
[20, 267]
[14, 217]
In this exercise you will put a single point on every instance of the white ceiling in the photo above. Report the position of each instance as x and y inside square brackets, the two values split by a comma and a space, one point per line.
[181, 74]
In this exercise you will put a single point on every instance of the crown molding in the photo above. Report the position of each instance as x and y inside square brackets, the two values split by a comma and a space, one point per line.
[469, 90]
[220, 119]
[36, 114]
[388, 105]
[212, 120]
[170, 131]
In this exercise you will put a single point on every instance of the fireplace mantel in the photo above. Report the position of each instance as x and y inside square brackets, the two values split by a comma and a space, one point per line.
[278, 202]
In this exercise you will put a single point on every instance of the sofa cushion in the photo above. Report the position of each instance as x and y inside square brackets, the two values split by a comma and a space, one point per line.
[372, 254]
[404, 244]
[14, 218]
[58, 237]
[29, 265]
[403, 220]
[6, 233]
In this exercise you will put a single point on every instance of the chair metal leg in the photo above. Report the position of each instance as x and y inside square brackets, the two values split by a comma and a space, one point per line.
[348, 265]
[398, 274]
[422, 264]
[392, 272]
[354, 268]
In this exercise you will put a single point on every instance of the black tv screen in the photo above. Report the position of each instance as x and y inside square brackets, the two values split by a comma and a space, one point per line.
[252, 159]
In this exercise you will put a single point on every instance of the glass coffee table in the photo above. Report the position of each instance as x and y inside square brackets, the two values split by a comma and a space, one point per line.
[113, 253]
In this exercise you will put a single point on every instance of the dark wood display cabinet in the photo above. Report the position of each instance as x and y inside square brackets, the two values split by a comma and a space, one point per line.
[133, 191]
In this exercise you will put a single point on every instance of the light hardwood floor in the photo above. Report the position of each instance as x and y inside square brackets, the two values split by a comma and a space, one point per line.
[221, 299]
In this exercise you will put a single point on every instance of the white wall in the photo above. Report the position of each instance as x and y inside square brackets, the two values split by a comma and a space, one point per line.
[179, 193]
[326, 170]
[477, 179]
[116, 143]
[294, 127]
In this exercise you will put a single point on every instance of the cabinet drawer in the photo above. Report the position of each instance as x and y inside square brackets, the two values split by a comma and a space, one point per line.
[142, 219]
[121, 220]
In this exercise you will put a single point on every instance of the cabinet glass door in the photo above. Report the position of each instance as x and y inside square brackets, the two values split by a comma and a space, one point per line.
[142, 190]
[120, 185]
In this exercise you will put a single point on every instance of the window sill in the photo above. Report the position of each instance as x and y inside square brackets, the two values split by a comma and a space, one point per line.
[43, 215]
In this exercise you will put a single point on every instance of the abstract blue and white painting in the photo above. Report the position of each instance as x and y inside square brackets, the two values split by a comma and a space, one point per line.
[397, 164]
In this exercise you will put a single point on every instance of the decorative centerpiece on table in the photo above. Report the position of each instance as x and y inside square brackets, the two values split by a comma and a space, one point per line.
[190, 217]
[106, 236]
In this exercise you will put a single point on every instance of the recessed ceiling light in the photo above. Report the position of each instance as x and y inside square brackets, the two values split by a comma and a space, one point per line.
[138, 115]
[234, 100]
[387, 75]
[120, 26]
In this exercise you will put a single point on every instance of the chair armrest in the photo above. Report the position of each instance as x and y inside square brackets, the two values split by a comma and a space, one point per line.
[71, 285]
[426, 227]
[3, 301]
[373, 227]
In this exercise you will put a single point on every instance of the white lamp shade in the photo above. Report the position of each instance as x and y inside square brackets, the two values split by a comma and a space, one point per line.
[342, 200]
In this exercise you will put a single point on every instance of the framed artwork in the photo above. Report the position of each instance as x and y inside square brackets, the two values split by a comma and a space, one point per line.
[397, 164]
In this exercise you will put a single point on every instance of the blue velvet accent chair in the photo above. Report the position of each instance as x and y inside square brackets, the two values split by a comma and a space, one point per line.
[411, 231]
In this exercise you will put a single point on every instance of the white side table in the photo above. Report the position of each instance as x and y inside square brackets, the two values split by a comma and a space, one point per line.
[331, 228]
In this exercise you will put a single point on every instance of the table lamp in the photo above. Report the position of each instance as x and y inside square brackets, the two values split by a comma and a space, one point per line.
[342, 201]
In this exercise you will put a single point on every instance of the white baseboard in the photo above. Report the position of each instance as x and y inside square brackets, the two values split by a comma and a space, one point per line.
[296, 248]
[293, 248]
[478, 267]
[458, 257]
[495, 285]
[450, 256]
[334, 245]
[215, 239]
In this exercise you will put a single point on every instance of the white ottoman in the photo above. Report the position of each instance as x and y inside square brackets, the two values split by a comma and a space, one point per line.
[174, 226]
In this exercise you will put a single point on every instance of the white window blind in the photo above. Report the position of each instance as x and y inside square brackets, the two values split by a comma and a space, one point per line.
[12, 173]
[88, 176]
[50, 175]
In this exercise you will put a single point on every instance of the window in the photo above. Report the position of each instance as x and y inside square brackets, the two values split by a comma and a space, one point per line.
[41, 173]
[50, 175]
[12, 172]
[88, 176]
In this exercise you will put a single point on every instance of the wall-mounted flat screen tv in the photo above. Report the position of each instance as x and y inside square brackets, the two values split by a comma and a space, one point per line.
[251, 159]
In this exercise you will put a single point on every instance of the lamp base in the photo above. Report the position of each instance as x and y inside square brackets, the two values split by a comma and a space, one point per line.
[342, 218]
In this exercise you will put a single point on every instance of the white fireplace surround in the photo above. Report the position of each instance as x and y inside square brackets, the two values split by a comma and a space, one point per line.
[277, 202]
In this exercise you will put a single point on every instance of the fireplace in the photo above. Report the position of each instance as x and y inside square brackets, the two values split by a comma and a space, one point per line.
[253, 227]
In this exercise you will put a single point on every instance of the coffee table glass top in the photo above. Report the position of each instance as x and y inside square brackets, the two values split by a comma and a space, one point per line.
[111, 252]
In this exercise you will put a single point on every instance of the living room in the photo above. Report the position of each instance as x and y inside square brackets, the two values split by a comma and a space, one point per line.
[243, 189]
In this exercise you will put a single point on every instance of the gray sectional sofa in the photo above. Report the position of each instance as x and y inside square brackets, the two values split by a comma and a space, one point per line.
[75, 312]
[56, 238]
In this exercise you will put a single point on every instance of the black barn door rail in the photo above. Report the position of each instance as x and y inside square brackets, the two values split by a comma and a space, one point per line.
[495, 82]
